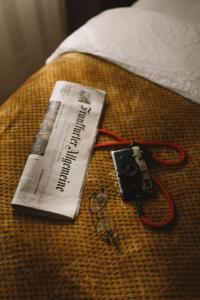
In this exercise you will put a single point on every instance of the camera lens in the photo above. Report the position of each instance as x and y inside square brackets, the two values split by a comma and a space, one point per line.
[130, 168]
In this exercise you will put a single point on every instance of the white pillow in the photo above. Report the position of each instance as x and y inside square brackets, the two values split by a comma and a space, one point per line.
[160, 47]
[186, 9]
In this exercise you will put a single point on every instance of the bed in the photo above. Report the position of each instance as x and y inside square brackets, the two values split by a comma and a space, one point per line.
[151, 75]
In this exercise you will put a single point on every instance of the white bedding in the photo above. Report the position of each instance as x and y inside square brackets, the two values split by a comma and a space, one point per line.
[162, 48]
[186, 9]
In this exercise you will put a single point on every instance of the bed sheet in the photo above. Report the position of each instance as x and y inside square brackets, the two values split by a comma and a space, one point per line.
[157, 46]
[188, 10]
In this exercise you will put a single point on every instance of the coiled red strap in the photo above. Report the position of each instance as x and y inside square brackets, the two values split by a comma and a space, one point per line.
[165, 222]
[119, 141]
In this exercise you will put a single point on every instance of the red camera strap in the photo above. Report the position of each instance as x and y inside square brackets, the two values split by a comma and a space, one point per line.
[119, 141]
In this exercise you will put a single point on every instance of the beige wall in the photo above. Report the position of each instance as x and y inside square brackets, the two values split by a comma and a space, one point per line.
[29, 31]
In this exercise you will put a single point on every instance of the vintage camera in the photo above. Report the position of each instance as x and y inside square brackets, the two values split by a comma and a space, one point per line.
[132, 173]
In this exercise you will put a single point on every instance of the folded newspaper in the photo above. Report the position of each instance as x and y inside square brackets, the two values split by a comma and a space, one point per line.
[53, 177]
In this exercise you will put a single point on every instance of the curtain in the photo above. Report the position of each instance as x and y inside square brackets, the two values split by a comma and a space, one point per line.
[29, 32]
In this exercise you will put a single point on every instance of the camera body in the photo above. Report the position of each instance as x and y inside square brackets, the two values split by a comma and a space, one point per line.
[132, 173]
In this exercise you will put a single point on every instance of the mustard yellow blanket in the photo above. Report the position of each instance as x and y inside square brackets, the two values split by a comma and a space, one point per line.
[45, 259]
